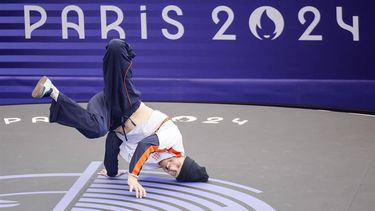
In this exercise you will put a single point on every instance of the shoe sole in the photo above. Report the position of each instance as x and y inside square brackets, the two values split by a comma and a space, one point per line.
[38, 90]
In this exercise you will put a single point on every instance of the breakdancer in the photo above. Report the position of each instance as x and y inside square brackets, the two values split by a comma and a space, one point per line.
[144, 137]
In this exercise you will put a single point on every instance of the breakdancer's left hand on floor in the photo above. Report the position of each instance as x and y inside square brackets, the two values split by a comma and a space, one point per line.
[119, 172]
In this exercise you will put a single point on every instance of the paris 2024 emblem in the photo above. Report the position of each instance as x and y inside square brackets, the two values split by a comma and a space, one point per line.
[266, 16]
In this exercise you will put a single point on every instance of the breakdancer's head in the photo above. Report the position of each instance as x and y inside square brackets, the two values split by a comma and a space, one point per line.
[184, 169]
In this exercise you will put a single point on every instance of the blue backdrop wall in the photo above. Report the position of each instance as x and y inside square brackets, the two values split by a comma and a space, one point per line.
[294, 53]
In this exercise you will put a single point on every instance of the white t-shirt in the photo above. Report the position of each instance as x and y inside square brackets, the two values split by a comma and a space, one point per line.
[169, 138]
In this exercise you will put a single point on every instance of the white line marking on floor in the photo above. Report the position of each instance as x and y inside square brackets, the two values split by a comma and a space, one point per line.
[77, 186]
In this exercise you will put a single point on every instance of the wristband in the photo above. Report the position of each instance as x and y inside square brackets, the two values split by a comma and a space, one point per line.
[133, 175]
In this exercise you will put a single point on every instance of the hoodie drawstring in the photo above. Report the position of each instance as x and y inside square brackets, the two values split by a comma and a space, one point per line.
[123, 130]
[123, 127]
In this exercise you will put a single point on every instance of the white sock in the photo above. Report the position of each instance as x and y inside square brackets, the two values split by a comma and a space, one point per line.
[55, 93]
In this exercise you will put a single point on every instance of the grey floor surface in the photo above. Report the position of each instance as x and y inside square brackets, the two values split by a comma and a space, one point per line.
[300, 159]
